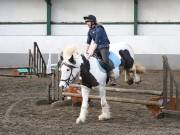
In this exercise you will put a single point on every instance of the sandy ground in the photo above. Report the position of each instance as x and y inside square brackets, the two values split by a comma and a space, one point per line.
[24, 110]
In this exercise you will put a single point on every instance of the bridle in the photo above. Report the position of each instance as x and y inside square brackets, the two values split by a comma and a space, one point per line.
[69, 80]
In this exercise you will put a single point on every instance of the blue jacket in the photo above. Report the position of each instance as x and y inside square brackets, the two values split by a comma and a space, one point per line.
[98, 34]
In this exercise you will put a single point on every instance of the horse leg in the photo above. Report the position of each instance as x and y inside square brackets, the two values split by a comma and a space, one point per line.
[105, 107]
[85, 94]
[125, 75]
[137, 78]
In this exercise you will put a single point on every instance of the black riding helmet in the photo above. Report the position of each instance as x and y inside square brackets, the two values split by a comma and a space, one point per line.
[90, 18]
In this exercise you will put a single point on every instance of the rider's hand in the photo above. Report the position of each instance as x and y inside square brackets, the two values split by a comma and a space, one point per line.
[88, 55]
[87, 48]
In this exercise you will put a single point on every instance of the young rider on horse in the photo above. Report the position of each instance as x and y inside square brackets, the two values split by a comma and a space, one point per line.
[100, 48]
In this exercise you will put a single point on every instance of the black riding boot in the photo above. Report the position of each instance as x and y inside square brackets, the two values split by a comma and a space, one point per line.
[112, 80]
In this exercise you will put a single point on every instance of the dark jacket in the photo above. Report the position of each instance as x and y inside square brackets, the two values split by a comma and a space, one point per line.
[98, 34]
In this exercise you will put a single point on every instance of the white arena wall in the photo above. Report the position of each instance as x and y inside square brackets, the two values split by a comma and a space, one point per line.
[54, 44]
[148, 49]
[22, 10]
[24, 21]
[72, 11]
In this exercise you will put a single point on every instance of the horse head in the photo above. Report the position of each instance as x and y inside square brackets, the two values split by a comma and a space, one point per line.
[134, 74]
[69, 68]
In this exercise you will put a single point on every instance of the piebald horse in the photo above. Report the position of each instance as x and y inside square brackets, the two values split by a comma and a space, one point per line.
[92, 75]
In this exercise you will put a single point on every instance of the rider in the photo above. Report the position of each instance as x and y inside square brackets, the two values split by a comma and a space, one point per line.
[98, 34]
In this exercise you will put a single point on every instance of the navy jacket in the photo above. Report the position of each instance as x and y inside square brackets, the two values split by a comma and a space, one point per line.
[98, 34]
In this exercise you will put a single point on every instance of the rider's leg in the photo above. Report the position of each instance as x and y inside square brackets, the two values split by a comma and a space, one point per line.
[105, 56]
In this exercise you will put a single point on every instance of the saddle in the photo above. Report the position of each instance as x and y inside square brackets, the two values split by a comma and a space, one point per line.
[114, 61]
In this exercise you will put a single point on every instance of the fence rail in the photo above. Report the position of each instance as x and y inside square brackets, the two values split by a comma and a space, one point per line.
[37, 63]
[170, 87]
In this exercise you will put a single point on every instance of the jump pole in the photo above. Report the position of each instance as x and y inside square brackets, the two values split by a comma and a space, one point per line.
[116, 99]
[151, 92]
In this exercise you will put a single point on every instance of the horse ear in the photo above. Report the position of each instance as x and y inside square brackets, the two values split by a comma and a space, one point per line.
[72, 60]
[61, 58]
[85, 62]
[60, 61]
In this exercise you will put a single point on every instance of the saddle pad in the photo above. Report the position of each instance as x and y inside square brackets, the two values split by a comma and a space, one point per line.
[115, 59]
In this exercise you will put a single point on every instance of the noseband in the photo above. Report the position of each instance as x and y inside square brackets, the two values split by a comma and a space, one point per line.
[69, 80]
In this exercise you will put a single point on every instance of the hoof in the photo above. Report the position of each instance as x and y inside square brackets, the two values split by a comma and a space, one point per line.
[104, 117]
[80, 120]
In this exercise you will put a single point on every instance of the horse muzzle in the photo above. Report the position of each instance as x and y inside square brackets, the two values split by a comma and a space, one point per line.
[130, 81]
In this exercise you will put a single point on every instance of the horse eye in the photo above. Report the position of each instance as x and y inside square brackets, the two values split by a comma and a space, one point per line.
[68, 69]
